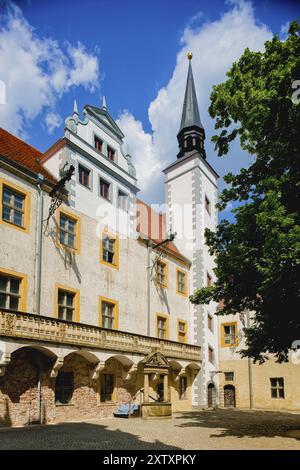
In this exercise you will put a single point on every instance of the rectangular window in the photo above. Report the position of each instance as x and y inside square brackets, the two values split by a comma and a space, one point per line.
[182, 331]
[210, 323]
[277, 387]
[13, 206]
[104, 189]
[182, 387]
[208, 280]
[229, 376]
[162, 327]
[106, 387]
[67, 231]
[84, 176]
[10, 292]
[108, 315]
[181, 282]
[111, 153]
[161, 273]
[207, 204]
[98, 144]
[211, 355]
[229, 334]
[66, 305]
[122, 201]
[108, 249]
[64, 386]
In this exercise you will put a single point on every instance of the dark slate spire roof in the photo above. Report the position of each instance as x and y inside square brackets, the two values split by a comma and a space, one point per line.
[190, 112]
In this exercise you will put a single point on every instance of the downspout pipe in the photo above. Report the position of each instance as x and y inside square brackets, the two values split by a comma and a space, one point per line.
[40, 179]
[250, 379]
[149, 252]
[150, 247]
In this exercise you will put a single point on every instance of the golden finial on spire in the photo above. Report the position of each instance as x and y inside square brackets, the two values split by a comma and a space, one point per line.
[190, 55]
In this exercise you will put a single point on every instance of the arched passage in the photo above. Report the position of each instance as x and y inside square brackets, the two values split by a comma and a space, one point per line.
[21, 385]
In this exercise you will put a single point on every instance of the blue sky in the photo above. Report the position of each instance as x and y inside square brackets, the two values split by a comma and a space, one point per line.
[133, 52]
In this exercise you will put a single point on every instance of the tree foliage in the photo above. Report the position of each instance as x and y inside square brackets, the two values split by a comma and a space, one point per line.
[257, 255]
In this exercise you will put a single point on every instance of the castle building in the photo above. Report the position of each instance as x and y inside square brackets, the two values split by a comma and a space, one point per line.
[94, 307]
[95, 314]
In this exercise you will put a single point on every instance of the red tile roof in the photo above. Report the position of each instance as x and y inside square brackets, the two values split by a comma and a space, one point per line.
[18, 151]
[152, 225]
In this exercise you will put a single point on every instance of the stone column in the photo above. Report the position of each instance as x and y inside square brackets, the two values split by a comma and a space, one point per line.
[146, 387]
[166, 387]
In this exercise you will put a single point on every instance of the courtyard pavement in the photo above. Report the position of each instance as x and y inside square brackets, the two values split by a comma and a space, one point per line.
[220, 429]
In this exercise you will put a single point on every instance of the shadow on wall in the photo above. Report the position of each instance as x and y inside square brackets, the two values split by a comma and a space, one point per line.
[75, 436]
[5, 419]
[235, 423]
[67, 256]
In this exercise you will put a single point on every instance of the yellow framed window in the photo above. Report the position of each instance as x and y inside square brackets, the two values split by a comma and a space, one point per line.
[109, 314]
[162, 327]
[10, 292]
[109, 250]
[68, 230]
[162, 273]
[107, 388]
[181, 282]
[229, 334]
[14, 206]
[13, 290]
[182, 331]
[67, 303]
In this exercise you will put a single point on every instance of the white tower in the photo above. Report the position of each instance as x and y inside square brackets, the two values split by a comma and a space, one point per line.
[191, 196]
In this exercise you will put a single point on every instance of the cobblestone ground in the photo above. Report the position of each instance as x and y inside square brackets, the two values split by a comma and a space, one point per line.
[221, 429]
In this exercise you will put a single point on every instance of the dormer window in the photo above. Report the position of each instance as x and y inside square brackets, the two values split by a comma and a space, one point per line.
[98, 144]
[111, 153]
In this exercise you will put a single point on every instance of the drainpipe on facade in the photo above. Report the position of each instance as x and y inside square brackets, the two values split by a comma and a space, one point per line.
[149, 251]
[250, 370]
[40, 180]
[150, 247]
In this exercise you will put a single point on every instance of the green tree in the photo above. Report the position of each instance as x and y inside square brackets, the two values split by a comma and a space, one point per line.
[257, 255]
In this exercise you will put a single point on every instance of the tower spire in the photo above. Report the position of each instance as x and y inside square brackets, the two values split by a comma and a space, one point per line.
[191, 133]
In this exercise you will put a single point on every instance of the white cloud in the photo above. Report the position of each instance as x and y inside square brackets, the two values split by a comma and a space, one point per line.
[37, 72]
[215, 46]
[284, 29]
[53, 121]
[140, 144]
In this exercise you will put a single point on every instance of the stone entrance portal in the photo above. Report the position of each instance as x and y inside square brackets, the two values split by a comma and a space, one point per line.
[156, 368]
